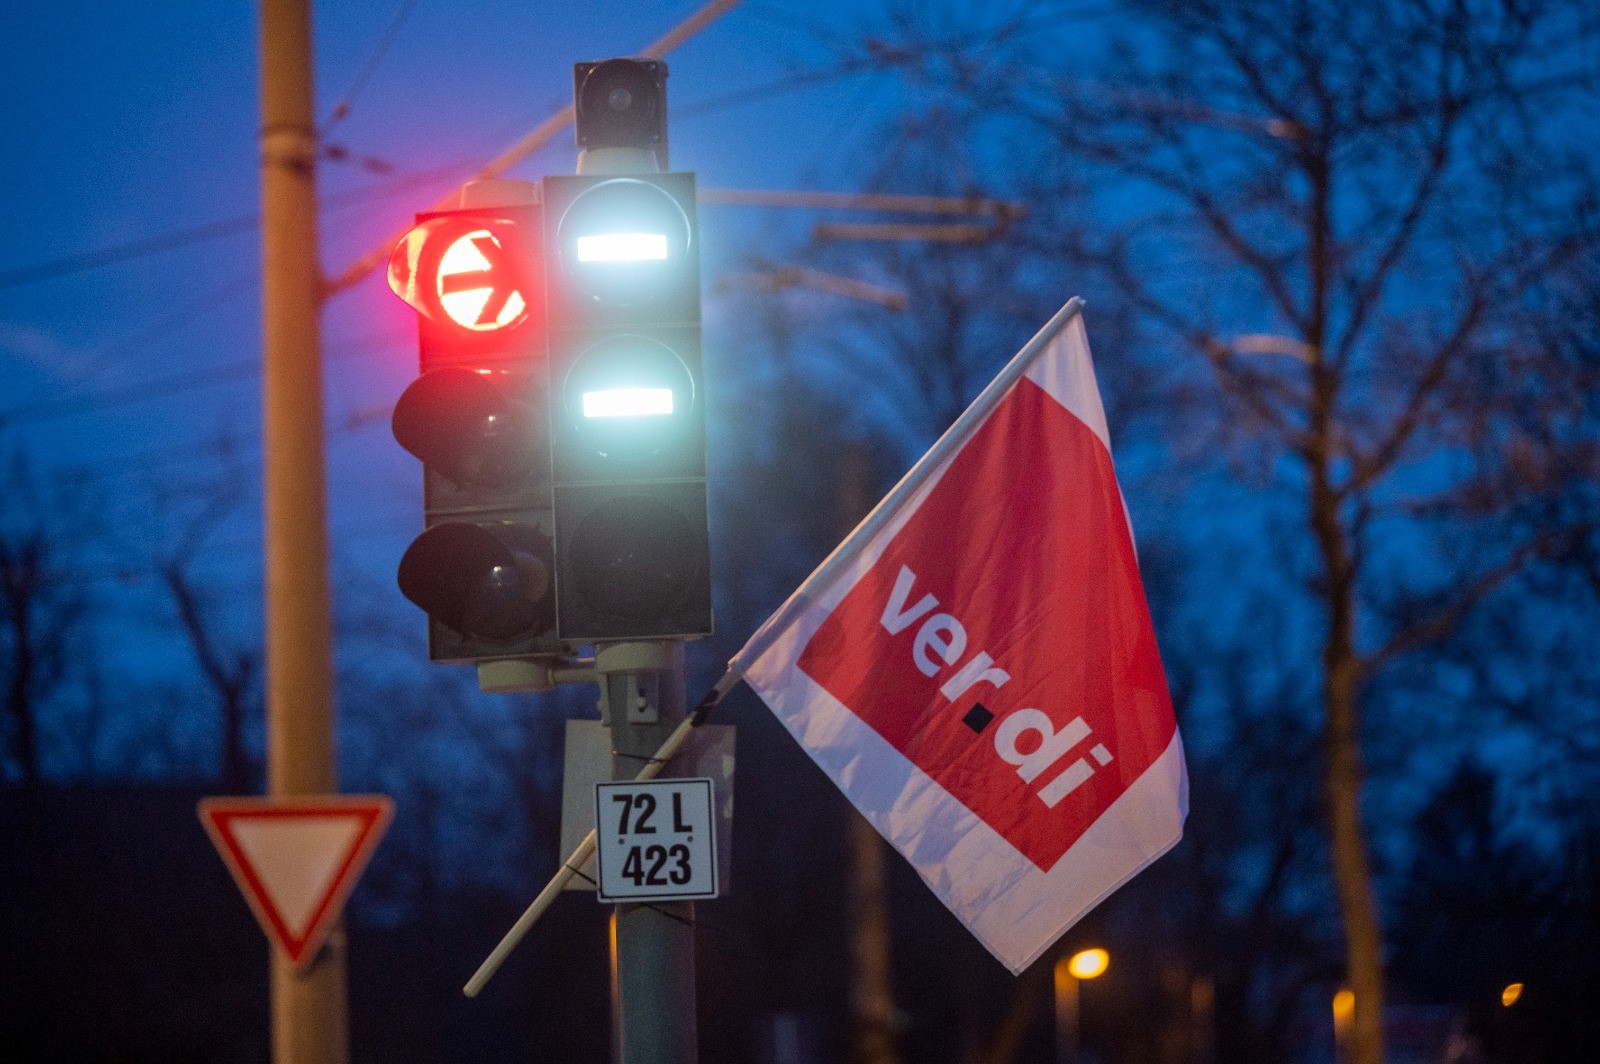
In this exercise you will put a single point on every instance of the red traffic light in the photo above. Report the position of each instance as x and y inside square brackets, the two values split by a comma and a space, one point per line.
[474, 272]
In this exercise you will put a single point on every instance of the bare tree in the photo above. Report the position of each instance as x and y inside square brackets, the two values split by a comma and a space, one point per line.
[231, 673]
[45, 605]
[1365, 224]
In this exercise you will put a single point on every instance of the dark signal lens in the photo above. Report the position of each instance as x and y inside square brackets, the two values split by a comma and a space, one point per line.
[621, 103]
[635, 557]
[490, 582]
[465, 425]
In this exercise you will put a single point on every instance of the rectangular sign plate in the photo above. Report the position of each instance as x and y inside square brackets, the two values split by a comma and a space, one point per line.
[656, 840]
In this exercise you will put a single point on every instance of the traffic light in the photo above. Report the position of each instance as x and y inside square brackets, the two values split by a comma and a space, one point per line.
[483, 569]
[627, 404]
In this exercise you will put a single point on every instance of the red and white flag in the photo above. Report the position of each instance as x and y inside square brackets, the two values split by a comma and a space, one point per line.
[975, 666]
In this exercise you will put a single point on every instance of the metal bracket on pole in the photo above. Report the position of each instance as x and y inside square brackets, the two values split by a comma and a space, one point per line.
[628, 675]
[522, 675]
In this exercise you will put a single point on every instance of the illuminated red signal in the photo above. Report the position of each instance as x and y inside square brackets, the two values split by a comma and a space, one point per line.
[471, 272]
[476, 286]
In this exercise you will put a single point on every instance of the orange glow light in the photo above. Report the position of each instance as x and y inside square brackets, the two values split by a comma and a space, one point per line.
[1089, 963]
[1344, 1007]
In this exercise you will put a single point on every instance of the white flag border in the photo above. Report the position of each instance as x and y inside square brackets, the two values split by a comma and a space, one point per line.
[1013, 907]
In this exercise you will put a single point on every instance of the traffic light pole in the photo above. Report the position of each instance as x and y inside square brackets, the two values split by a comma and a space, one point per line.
[308, 1007]
[652, 946]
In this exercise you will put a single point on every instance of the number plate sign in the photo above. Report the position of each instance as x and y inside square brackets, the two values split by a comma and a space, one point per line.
[656, 840]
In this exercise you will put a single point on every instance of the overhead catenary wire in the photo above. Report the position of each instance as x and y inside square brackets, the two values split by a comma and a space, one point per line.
[239, 225]
[531, 142]
[865, 201]
[895, 231]
[368, 69]
[207, 232]
[175, 384]
[223, 448]
[79, 262]
[780, 278]
[83, 261]
[802, 79]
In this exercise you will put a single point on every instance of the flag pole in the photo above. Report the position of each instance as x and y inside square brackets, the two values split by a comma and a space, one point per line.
[585, 849]
[889, 505]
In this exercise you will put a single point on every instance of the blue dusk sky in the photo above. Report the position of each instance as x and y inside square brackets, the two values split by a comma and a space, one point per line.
[129, 251]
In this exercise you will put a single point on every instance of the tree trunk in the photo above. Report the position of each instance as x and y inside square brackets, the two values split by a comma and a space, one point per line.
[1341, 679]
[19, 706]
[1341, 668]
[230, 684]
[872, 1004]
[236, 768]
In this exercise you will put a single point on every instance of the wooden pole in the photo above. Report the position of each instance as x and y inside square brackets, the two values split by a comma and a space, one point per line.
[309, 1023]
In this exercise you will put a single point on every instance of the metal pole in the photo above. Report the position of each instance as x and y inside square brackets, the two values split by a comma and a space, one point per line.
[652, 946]
[308, 1009]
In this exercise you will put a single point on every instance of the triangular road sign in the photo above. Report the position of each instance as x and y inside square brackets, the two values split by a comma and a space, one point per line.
[296, 859]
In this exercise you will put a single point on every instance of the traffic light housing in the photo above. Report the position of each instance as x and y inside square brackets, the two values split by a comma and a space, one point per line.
[483, 568]
[627, 407]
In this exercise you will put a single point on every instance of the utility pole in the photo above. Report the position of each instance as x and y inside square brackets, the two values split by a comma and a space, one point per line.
[308, 1008]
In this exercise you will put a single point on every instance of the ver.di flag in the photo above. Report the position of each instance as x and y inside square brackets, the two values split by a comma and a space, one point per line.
[975, 666]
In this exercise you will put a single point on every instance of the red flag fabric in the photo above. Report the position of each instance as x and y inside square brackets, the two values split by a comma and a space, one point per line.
[976, 669]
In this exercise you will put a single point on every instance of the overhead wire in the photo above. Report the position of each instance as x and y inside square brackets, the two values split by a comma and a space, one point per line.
[190, 236]
[341, 109]
[225, 227]
[794, 82]
[176, 384]
[186, 314]
[83, 261]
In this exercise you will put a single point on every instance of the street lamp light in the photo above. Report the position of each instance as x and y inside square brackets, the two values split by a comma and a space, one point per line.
[1344, 1010]
[1069, 973]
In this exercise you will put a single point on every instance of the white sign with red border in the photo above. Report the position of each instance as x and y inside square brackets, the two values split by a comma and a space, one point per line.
[297, 859]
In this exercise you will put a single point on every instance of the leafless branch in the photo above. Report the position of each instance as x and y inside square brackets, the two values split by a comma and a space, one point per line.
[1444, 618]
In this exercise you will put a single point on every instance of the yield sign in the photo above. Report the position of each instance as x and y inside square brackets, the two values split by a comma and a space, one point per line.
[296, 859]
